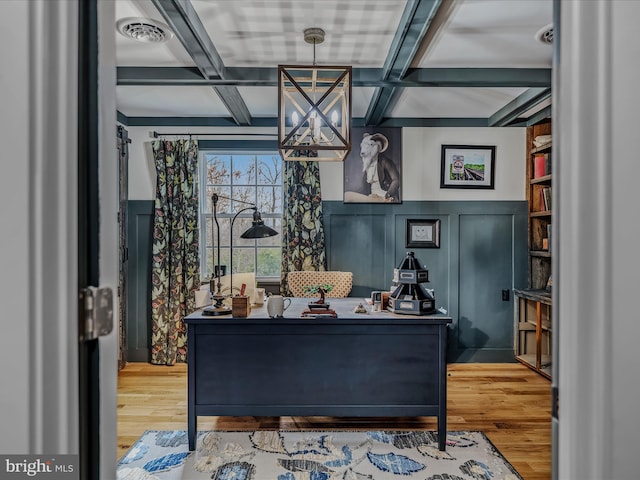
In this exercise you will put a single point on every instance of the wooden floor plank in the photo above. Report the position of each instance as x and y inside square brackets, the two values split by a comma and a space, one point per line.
[509, 402]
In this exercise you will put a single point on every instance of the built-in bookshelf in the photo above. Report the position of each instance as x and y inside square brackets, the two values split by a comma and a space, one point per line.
[533, 333]
[539, 184]
[533, 329]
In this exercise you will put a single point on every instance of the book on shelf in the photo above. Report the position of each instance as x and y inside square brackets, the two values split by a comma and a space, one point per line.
[546, 198]
[541, 197]
[544, 195]
[547, 164]
[549, 238]
[538, 166]
[539, 163]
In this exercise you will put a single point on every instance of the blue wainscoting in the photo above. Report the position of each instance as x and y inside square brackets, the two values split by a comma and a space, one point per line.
[483, 251]
[139, 235]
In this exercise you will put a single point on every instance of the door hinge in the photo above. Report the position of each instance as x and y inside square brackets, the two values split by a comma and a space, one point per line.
[96, 312]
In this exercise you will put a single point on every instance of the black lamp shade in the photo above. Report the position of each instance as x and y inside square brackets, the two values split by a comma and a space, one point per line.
[258, 229]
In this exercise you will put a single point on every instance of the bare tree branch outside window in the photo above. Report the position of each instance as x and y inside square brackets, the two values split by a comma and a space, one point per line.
[248, 177]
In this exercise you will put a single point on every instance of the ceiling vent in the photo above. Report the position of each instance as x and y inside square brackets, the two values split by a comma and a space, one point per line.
[144, 30]
[545, 34]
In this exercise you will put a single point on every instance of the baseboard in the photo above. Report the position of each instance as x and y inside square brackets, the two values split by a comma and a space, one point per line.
[481, 355]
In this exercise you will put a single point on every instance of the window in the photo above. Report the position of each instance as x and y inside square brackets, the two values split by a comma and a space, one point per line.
[255, 178]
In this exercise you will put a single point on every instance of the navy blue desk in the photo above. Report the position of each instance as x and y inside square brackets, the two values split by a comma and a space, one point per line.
[358, 365]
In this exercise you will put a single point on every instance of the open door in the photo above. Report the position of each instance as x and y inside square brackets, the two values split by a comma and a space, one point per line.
[88, 239]
[58, 206]
[123, 215]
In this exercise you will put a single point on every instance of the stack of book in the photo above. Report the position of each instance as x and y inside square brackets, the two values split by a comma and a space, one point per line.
[318, 310]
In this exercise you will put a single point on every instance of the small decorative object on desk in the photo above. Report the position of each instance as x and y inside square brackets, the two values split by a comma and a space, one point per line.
[276, 305]
[240, 306]
[258, 298]
[319, 313]
[322, 290]
[360, 309]
[410, 296]
[319, 308]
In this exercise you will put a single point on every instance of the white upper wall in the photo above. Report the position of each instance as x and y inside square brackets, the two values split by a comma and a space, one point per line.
[421, 149]
[142, 177]
[421, 159]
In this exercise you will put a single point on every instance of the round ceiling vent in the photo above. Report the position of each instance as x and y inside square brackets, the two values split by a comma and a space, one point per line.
[144, 30]
[545, 34]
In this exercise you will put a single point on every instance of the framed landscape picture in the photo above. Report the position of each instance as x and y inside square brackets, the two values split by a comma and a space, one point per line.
[467, 166]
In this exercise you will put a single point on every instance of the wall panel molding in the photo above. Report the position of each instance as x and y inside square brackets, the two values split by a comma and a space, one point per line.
[139, 235]
[369, 240]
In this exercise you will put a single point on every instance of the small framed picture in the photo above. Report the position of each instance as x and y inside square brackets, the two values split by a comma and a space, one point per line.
[467, 166]
[423, 233]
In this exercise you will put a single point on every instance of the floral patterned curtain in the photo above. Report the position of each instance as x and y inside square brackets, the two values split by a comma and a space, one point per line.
[302, 229]
[175, 270]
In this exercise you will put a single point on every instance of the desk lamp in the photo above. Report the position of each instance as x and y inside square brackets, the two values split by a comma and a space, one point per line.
[257, 230]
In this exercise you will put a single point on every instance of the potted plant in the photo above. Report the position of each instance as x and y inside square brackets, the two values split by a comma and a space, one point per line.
[322, 289]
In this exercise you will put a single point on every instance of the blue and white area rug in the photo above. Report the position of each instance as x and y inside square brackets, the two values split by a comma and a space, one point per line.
[310, 455]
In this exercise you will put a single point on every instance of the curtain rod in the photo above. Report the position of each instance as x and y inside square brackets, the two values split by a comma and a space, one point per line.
[202, 134]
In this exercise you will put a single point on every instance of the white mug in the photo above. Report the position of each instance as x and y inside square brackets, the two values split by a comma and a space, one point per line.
[258, 296]
[277, 304]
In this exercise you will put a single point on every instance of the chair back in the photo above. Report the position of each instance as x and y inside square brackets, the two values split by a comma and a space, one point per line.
[341, 283]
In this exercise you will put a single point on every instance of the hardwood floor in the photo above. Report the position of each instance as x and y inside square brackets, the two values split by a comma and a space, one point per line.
[507, 401]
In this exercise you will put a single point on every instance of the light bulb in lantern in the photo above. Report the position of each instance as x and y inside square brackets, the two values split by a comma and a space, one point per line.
[334, 118]
[315, 123]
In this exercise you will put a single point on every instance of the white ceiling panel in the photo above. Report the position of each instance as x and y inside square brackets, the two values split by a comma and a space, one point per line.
[453, 102]
[493, 33]
[265, 33]
[263, 101]
[360, 97]
[169, 101]
[252, 33]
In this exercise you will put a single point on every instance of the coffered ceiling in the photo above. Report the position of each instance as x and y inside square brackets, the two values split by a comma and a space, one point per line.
[415, 62]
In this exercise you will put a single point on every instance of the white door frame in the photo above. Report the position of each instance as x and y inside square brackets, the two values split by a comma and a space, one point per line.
[38, 207]
[596, 220]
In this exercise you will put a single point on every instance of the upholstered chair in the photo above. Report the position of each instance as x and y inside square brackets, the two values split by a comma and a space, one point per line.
[341, 283]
